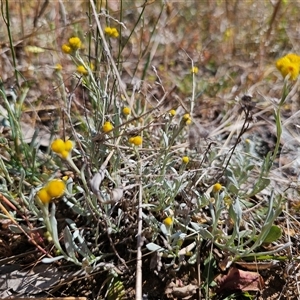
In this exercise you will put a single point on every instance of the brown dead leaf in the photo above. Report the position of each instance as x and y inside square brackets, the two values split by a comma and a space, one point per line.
[237, 279]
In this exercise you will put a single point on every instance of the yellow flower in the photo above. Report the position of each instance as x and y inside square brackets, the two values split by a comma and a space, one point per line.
[289, 65]
[68, 145]
[185, 159]
[111, 32]
[293, 57]
[107, 127]
[107, 30]
[66, 49]
[114, 33]
[217, 187]
[64, 154]
[194, 70]
[58, 145]
[172, 112]
[63, 149]
[44, 196]
[137, 140]
[75, 42]
[82, 70]
[168, 221]
[126, 111]
[55, 188]
[186, 117]
[188, 122]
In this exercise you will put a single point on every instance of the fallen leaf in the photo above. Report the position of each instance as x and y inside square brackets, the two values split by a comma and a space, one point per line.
[237, 279]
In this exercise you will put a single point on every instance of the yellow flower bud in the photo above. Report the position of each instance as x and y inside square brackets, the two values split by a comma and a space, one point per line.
[107, 127]
[58, 145]
[111, 31]
[217, 187]
[64, 154]
[185, 159]
[44, 196]
[66, 49]
[168, 221]
[107, 30]
[188, 121]
[186, 117]
[69, 145]
[137, 140]
[172, 112]
[82, 70]
[62, 148]
[126, 111]
[75, 43]
[55, 188]
[114, 33]
[194, 70]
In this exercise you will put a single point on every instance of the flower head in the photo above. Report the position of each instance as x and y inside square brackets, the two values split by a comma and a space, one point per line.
[62, 148]
[107, 127]
[75, 42]
[69, 145]
[126, 111]
[289, 65]
[168, 221]
[55, 188]
[187, 119]
[44, 196]
[194, 70]
[185, 159]
[58, 145]
[217, 187]
[172, 112]
[188, 122]
[111, 32]
[66, 48]
[137, 140]
[82, 70]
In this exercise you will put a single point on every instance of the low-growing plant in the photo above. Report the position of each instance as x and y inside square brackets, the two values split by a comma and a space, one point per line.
[121, 165]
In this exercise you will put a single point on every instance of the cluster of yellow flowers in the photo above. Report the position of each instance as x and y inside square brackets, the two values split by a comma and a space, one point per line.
[289, 65]
[136, 140]
[73, 45]
[54, 189]
[111, 32]
[187, 119]
[62, 148]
